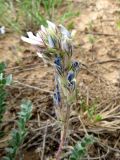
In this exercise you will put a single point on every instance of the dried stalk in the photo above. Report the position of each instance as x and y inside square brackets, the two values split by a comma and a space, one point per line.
[64, 132]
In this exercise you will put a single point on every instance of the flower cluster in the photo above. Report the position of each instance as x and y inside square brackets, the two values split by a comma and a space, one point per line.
[55, 45]
[51, 41]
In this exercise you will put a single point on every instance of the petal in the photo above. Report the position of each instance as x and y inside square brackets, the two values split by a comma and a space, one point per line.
[51, 25]
[64, 31]
[75, 64]
[31, 41]
[64, 45]
[43, 29]
[51, 42]
[57, 61]
[40, 54]
[70, 76]
[31, 36]
[35, 40]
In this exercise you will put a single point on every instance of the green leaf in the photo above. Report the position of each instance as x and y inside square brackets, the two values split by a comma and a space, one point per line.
[9, 79]
[10, 150]
[98, 118]
[2, 67]
[80, 148]
[6, 158]
[18, 135]
[1, 76]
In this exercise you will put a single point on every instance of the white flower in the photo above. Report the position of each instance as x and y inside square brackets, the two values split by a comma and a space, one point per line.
[35, 40]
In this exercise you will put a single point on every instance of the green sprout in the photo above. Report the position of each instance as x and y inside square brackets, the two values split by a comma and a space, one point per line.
[4, 81]
[92, 115]
[18, 135]
[80, 149]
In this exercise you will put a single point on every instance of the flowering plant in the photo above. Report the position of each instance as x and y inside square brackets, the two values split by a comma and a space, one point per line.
[55, 47]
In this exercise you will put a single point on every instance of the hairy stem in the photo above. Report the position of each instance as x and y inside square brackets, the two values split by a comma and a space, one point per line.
[63, 133]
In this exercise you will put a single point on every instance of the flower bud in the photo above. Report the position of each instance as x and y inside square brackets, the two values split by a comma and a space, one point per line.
[56, 96]
[75, 66]
[72, 85]
[58, 65]
[71, 81]
[70, 76]
[66, 46]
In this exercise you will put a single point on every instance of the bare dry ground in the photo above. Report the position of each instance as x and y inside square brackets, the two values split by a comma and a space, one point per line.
[97, 47]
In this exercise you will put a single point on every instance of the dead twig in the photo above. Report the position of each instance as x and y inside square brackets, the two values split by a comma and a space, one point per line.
[97, 158]
[102, 34]
[33, 87]
[44, 140]
[107, 61]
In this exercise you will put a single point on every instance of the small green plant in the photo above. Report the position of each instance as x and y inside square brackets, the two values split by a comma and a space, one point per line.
[98, 117]
[80, 149]
[91, 111]
[18, 135]
[4, 81]
[91, 39]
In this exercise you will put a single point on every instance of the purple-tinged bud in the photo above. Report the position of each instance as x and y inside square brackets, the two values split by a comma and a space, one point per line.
[70, 76]
[58, 65]
[75, 66]
[57, 96]
[71, 86]
[71, 81]
[58, 61]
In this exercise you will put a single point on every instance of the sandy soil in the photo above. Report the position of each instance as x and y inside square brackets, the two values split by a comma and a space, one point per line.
[97, 46]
